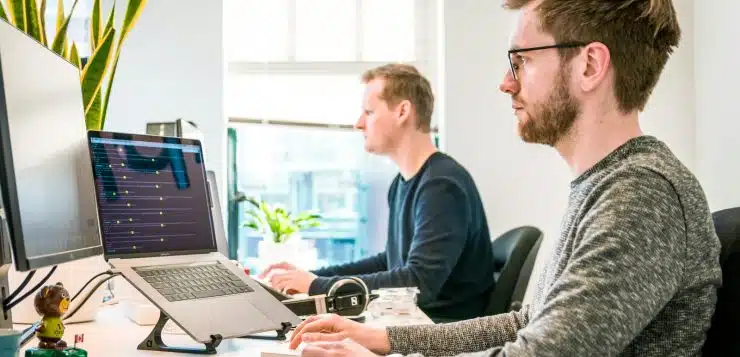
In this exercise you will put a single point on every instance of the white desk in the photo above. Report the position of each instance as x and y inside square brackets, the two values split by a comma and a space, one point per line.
[112, 334]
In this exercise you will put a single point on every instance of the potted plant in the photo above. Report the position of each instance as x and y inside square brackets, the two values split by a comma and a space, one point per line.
[280, 230]
[105, 43]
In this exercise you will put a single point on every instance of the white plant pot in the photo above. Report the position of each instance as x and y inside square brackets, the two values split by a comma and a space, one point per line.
[295, 250]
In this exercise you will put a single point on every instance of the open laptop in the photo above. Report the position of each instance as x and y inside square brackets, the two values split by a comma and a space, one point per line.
[154, 209]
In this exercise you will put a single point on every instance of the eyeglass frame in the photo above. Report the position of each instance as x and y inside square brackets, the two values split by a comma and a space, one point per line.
[527, 49]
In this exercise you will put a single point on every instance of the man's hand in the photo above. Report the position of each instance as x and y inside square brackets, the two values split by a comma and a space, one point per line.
[333, 328]
[336, 349]
[292, 282]
[279, 266]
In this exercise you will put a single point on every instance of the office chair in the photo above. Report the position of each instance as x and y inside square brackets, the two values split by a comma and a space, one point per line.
[722, 337]
[514, 253]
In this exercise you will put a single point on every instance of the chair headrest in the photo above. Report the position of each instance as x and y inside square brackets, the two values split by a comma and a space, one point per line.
[727, 225]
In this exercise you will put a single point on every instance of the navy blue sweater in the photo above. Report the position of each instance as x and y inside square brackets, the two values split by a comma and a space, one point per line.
[438, 241]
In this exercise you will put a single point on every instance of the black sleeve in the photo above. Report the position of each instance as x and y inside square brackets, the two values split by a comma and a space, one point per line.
[368, 265]
[441, 214]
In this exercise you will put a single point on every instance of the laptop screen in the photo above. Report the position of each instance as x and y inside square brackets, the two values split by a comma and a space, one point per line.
[152, 195]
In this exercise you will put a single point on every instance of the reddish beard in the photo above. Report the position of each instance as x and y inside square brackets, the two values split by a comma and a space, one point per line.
[550, 121]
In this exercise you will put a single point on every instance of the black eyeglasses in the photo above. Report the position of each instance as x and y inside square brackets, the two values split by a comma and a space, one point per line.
[515, 64]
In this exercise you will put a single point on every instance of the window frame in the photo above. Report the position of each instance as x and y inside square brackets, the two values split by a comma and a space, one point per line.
[425, 46]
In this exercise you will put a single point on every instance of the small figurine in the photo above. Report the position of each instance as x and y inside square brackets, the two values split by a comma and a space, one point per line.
[51, 302]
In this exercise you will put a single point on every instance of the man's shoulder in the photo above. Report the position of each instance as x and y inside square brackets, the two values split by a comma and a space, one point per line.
[443, 167]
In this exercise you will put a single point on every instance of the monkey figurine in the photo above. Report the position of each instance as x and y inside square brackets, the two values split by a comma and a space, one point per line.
[51, 302]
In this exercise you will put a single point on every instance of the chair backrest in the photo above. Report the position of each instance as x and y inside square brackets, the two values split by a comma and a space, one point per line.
[514, 253]
[722, 337]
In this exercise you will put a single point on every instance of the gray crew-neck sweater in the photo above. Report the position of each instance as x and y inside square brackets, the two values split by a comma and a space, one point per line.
[634, 272]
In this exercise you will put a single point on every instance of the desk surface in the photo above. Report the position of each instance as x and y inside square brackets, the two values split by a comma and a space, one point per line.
[112, 334]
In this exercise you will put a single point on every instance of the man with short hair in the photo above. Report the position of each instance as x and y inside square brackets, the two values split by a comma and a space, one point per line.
[636, 268]
[438, 238]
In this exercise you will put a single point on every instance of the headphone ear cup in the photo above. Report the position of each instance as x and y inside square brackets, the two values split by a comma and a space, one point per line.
[351, 286]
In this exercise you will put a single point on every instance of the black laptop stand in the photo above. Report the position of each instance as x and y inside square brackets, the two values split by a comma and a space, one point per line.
[153, 342]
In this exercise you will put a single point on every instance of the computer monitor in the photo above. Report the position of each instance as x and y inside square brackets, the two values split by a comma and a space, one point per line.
[48, 194]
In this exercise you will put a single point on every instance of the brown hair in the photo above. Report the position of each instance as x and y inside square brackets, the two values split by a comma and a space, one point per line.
[404, 82]
[640, 35]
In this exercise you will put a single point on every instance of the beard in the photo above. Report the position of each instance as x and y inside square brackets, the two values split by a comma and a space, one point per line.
[550, 121]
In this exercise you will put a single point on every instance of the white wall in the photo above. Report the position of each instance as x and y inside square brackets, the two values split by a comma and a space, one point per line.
[526, 184]
[717, 110]
[171, 67]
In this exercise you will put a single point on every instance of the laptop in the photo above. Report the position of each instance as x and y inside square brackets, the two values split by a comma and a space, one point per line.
[219, 225]
[154, 209]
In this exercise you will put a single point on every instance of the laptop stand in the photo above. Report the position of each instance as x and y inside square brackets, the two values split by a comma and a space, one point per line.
[153, 341]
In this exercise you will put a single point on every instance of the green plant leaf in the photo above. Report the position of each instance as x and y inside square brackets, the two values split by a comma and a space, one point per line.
[32, 19]
[60, 14]
[92, 115]
[17, 13]
[74, 56]
[94, 73]
[42, 23]
[3, 14]
[95, 25]
[59, 45]
[256, 218]
[252, 225]
[133, 12]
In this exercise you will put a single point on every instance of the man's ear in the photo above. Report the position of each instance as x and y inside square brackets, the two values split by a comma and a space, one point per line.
[594, 66]
[403, 111]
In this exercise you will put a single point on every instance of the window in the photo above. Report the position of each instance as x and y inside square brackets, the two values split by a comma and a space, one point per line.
[292, 94]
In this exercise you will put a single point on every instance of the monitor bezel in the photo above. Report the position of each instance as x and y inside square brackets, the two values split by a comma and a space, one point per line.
[91, 134]
[10, 205]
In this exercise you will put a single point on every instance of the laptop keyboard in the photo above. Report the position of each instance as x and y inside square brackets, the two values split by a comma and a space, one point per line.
[188, 282]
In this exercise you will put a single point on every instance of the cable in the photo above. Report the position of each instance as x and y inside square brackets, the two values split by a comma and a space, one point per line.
[30, 331]
[20, 287]
[31, 291]
[108, 272]
[87, 297]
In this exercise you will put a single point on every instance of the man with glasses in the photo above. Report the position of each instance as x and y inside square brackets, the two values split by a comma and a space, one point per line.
[636, 268]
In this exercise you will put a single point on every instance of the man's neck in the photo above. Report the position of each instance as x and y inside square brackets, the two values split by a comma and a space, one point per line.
[593, 137]
[412, 152]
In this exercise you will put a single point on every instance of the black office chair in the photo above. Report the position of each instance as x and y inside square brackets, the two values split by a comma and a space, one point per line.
[722, 337]
[514, 254]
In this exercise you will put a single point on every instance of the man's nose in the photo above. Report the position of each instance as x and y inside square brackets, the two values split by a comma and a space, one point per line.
[509, 85]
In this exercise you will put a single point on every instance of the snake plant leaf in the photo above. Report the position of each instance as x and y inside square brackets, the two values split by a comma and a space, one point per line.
[94, 73]
[133, 12]
[3, 14]
[17, 13]
[42, 23]
[92, 115]
[60, 14]
[33, 27]
[60, 39]
[74, 56]
[110, 22]
[95, 25]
